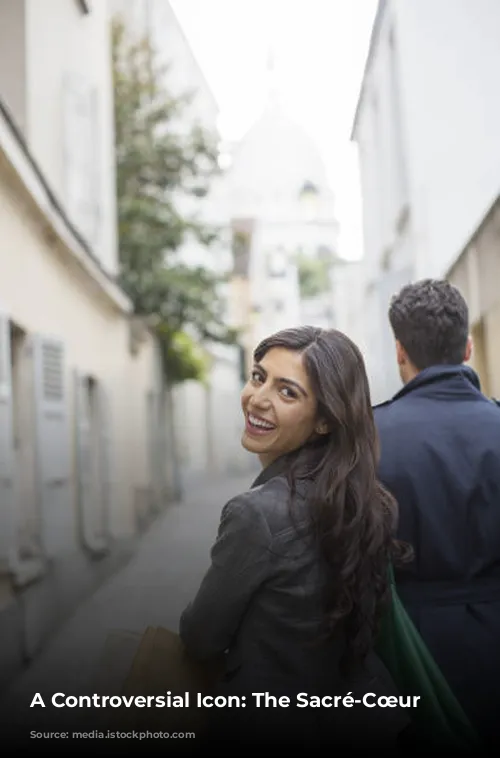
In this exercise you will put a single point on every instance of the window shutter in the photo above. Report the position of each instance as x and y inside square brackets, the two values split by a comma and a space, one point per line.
[83, 458]
[89, 492]
[52, 445]
[27, 506]
[105, 461]
[7, 516]
[81, 155]
[94, 168]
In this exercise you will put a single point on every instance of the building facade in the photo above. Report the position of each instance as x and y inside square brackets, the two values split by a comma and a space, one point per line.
[85, 457]
[427, 131]
[282, 211]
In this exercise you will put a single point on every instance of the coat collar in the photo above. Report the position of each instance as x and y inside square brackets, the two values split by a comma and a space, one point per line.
[304, 462]
[435, 374]
[279, 467]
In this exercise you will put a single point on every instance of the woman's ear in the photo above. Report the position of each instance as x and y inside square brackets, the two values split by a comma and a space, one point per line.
[321, 427]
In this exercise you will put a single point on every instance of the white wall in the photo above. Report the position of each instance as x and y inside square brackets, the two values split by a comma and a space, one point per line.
[226, 414]
[427, 129]
[70, 114]
[348, 294]
[448, 123]
[209, 420]
[450, 59]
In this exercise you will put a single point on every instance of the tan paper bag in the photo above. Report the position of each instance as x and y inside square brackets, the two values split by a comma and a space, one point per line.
[161, 666]
[116, 662]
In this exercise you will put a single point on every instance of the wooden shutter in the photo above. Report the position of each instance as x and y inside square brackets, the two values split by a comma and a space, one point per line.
[52, 442]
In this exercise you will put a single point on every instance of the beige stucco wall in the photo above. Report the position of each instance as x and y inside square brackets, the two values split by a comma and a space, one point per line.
[476, 273]
[492, 344]
[44, 294]
[485, 357]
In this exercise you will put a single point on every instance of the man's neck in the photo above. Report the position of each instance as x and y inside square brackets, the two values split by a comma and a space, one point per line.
[409, 372]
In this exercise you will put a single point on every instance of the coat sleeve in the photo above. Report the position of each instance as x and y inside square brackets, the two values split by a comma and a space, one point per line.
[240, 563]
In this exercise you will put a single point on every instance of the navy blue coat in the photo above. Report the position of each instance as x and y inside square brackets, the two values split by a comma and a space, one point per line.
[440, 458]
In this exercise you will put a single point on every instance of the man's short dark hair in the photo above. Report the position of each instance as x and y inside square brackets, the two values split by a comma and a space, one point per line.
[430, 319]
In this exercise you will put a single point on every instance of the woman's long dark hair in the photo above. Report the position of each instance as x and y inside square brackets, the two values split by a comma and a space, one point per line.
[354, 518]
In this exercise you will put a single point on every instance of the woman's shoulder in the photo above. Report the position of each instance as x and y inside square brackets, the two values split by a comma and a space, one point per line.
[261, 498]
[269, 502]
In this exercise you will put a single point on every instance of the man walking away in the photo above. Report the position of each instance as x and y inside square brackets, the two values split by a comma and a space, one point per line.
[440, 457]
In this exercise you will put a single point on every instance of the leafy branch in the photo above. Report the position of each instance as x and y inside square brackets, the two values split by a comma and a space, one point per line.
[157, 164]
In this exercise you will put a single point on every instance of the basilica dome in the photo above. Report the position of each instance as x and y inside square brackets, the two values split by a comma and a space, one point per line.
[273, 163]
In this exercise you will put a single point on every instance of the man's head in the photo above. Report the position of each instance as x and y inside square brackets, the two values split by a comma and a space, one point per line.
[430, 322]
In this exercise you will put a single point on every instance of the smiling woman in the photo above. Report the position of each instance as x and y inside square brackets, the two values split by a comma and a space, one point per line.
[298, 577]
[279, 405]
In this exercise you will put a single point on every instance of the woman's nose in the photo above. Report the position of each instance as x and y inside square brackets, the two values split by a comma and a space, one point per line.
[260, 397]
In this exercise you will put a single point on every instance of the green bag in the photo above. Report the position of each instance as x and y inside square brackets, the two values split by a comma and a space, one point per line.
[438, 717]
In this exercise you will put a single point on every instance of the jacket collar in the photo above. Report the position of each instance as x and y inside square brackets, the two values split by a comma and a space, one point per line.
[435, 374]
[304, 462]
[277, 468]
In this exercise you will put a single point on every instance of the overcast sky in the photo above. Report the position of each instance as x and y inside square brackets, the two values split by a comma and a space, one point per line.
[320, 49]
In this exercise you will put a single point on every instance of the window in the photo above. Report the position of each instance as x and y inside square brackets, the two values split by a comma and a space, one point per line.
[81, 156]
[309, 198]
[93, 461]
[399, 179]
[277, 264]
[241, 245]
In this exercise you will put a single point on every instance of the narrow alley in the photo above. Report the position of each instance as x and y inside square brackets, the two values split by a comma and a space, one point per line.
[151, 590]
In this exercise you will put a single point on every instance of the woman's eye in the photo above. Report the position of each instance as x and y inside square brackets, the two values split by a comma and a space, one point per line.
[255, 376]
[288, 393]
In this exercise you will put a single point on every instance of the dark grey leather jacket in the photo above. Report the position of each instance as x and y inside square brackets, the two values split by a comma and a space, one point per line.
[260, 601]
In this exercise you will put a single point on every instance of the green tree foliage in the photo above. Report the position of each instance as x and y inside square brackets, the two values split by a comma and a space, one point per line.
[157, 164]
[314, 276]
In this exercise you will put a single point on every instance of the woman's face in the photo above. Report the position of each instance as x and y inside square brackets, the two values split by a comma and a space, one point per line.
[279, 406]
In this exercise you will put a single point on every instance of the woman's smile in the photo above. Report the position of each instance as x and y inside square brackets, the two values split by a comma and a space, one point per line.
[258, 426]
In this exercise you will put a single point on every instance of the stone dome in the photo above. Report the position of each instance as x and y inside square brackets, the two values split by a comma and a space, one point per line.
[273, 162]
